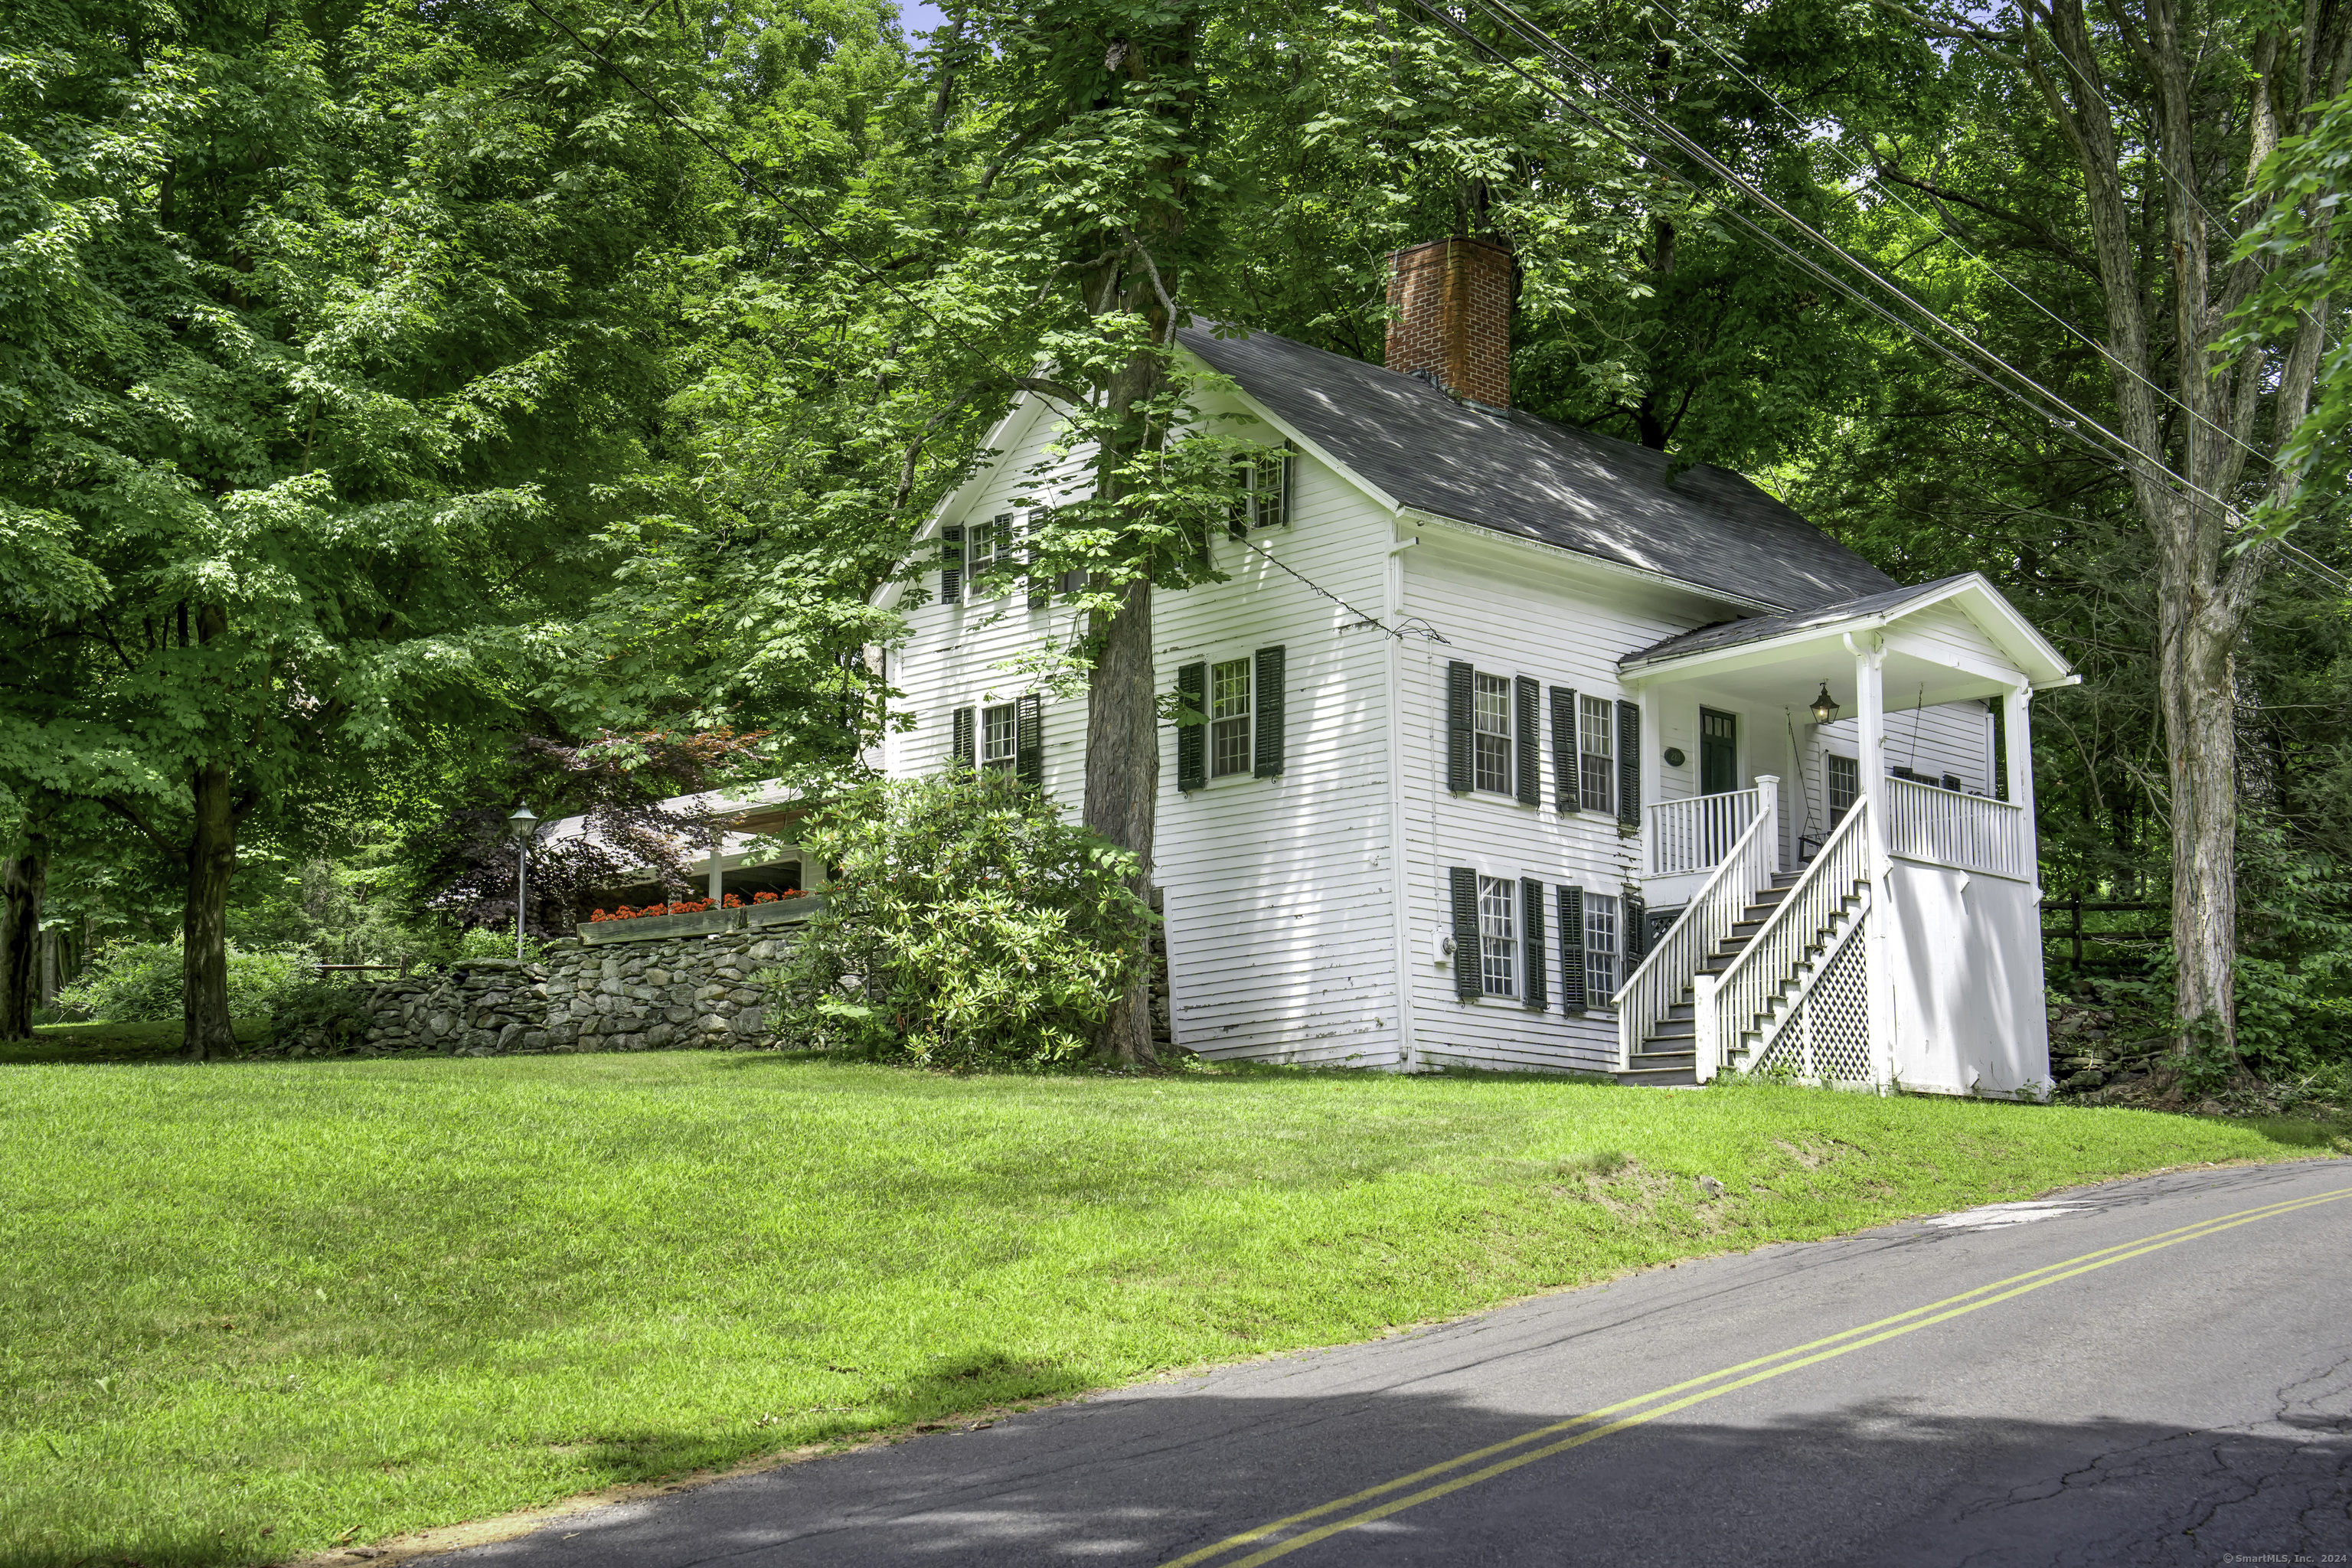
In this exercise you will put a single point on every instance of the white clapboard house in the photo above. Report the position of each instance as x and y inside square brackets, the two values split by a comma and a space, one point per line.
[1515, 753]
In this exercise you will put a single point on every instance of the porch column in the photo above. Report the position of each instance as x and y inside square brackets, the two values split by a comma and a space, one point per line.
[718, 884]
[1882, 947]
[2016, 735]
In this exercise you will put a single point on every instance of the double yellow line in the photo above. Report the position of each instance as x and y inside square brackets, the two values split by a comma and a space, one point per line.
[1425, 1485]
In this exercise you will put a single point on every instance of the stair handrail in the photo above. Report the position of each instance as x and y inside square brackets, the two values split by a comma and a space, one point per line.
[1744, 991]
[1657, 985]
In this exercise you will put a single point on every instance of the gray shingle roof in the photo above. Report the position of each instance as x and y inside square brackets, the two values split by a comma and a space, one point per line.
[1518, 474]
[1730, 633]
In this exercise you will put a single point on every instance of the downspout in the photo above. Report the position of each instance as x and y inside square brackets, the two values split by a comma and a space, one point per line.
[1400, 877]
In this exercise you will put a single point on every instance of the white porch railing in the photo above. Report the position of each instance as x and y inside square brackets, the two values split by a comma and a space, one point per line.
[1731, 1003]
[1653, 989]
[1967, 832]
[1693, 835]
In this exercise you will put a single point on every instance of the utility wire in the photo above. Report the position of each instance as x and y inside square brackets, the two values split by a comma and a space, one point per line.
[2056, 409]
[1424, 630]
[1895, 195]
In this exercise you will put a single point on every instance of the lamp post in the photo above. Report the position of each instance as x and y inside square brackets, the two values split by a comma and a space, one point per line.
[520, 824]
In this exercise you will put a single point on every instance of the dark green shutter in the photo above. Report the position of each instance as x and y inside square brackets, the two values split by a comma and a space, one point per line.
[960, 743]
[1572, 950]
[1458, 776]
[1629, 765]
[1565, 782]
[1532, 942]
[1469, 985]
[952, 567]
[1289, 489]
[1636, 937]
[1192, 732]
[1029, 739]
[1237, 521]
[1527, 733]
[1268, 745]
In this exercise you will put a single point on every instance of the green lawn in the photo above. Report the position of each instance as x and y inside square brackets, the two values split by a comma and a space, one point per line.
[335, 1300]
[114, 1042]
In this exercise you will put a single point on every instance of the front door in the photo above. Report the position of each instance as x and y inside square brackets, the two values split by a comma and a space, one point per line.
[1718, 752]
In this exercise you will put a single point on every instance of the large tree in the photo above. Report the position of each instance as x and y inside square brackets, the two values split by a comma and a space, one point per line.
[2122, 144]
[332, 320]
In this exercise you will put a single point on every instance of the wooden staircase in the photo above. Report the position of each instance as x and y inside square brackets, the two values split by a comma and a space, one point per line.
[1669, 1055]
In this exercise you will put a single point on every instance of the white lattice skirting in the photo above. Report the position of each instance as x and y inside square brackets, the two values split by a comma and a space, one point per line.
[1826, 1037]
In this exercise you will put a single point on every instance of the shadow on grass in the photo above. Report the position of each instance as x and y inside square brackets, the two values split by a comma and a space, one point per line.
[153, 1041]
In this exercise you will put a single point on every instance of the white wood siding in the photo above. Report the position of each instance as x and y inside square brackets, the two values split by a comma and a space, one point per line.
[1280, 924]
[1509, 610]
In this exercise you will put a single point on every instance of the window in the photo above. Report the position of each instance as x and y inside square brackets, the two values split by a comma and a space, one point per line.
[1498, 937]
[999, 733]
[1229, 719]
[1490, 726]
[1845, 784]
[1601, 948]
[1261, 491]
[985, 545]
[1596, 771]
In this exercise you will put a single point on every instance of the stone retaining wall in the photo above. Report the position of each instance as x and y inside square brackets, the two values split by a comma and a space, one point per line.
[610, 997]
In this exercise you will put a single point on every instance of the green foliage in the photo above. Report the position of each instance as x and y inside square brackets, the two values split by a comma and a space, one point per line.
[331, 1007]
[967, 925]
[140, 982]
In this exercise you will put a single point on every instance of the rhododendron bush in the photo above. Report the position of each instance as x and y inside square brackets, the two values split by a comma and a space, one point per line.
[966, 924]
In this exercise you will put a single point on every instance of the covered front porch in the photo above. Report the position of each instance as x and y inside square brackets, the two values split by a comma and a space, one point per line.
[1842, 837]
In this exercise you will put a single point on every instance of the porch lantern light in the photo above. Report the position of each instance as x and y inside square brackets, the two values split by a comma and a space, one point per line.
[520, 825]
[1825, 707]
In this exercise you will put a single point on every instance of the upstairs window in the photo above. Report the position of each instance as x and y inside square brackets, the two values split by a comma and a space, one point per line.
[1261, 491]
[1596, 766]
[986, 544]
[1844, 784]
[1490, 729]
[1498, 937]
[1229, 719]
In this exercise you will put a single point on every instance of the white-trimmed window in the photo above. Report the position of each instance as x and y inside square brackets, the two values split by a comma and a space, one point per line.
[1000, 737]
[1498, 936]
[1229, 719]
[1596, 766]
[1602, 946]
[1261, 491]
[985, 545]
[1844, 775]
[1490, 734]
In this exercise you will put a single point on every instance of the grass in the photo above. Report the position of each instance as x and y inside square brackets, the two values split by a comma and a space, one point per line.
[144, 1042]
[259, 1309]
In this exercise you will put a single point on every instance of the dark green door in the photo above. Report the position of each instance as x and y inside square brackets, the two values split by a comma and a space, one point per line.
[1718, 752]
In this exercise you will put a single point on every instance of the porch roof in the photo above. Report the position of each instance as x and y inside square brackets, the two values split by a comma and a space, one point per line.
[1763, 655]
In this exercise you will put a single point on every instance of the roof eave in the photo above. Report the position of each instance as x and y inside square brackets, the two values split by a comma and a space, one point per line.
[1600, 564]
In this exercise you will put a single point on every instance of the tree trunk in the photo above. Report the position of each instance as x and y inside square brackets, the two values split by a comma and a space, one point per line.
[212, 860]
[1123, 786]
[27, 877]
[2197, 680]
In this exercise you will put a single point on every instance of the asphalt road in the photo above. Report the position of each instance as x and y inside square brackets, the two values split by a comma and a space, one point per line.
[2153, 1372]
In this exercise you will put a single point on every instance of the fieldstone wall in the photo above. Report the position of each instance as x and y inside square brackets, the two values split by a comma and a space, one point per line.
[607, 996]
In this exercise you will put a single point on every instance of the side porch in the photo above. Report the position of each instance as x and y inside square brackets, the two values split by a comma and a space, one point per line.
[1841, 851]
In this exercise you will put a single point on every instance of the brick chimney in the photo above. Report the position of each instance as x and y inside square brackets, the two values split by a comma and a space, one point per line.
[1450, 314]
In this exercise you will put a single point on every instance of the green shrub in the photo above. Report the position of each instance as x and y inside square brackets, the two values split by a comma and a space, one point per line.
[330, 1006]
[967, 925]
[133, 982]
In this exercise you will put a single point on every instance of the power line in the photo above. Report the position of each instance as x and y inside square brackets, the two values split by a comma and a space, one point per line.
[1896, 196]
[1424, 630]
[2073, 420]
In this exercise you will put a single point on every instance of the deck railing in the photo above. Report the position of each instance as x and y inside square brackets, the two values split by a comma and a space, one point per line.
[1743, 993]
[1695, 834]
[1967, 832]
[1653, 989]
